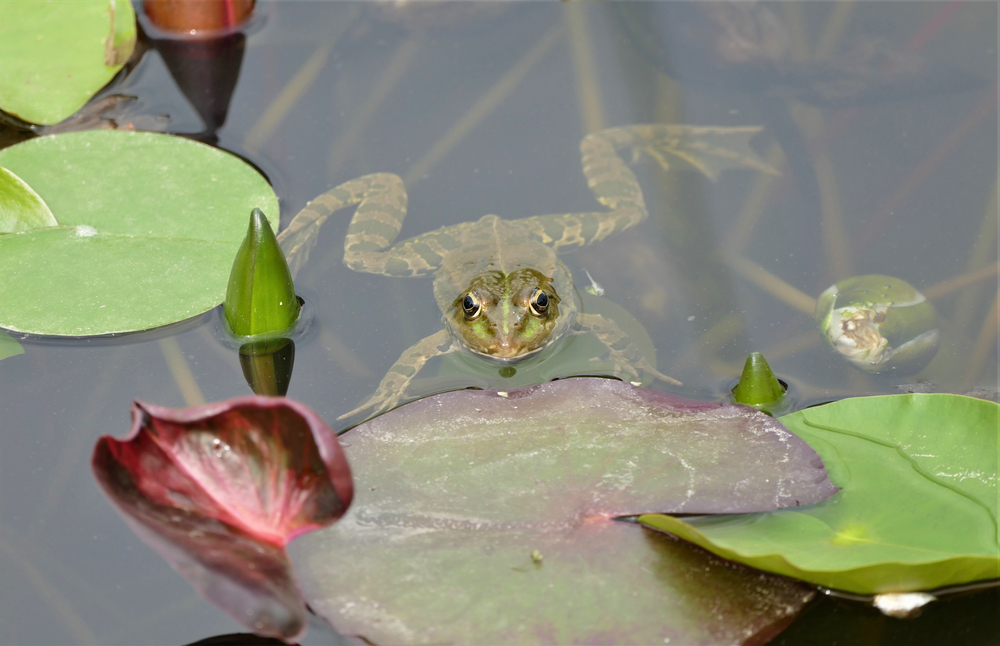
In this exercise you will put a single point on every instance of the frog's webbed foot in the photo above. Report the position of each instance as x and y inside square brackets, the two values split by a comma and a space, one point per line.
[709, 149]
[628, 362]
[392, 389]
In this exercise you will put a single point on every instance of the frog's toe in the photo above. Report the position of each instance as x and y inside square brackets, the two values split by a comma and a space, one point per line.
[372, 402]
[355, 411]
[662, 377]
[648, 369]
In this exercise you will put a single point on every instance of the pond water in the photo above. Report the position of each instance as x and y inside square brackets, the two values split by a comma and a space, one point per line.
[887, 116]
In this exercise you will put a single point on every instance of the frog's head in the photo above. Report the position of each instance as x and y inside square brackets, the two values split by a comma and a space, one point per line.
[506, 316]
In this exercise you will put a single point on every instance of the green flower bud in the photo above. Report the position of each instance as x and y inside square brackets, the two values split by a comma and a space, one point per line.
[757, 385]
[879, 323]
[261, 297]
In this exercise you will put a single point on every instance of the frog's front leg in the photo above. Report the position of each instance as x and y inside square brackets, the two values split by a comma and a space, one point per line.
[627, 360]
[394, 384]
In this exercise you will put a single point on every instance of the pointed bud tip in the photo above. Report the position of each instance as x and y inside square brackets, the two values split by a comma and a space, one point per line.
[758, 384]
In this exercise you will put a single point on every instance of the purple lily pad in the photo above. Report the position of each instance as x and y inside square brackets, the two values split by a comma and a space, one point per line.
[219, 490]
[488, 517]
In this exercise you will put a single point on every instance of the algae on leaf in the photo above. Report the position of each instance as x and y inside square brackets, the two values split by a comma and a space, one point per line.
[54, 56]
[917, 509]
[149, 225]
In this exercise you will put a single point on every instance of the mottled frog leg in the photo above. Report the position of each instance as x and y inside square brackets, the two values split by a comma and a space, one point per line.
[394, 384]
[708, 149]
[381, 200]
[628, 361]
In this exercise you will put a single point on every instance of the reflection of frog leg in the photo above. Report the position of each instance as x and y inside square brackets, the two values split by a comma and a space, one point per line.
[708, 149]
[394, 384]
[621, 351]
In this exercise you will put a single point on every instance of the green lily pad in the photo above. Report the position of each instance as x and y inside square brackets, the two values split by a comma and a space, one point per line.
[54, 56]
[9, 346]
[917, 508]
[149, 227]
[20, 207]
[488, 517]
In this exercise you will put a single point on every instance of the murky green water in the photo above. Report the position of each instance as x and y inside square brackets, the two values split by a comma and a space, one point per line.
[887, 113]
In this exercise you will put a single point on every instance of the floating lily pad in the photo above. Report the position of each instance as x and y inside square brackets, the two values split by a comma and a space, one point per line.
[219, 490]
[917, 510]
[54, 56]
[149, 227]
[9, 346]
[20, 207]
[488, 517]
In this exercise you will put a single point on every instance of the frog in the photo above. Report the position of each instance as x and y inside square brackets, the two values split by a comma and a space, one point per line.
[503, 292]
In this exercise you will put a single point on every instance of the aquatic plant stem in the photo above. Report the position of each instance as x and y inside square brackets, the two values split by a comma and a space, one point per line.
[986, 346]
[72, 446]
[394, 71]
[958, 282]
[483, 107]
[772, 284]
[61, 607]
[181, 371]
[984, 109]
[287, 98]
[588, 86]
[984, 248]
[839, 257]
[345, 145]
[753, 208]
[836, 24]
[341, 355]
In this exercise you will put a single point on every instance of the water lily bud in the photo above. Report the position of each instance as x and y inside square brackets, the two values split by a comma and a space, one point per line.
[879, 323]
[758, 385]
[261, 297]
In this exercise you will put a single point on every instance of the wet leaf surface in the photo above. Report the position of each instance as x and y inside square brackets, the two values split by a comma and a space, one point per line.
[149, 227]
[487, 517]
[219, 490]
[55, 55]
[917, 510]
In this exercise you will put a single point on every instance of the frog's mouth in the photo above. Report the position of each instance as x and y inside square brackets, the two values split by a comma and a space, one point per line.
[505, 355]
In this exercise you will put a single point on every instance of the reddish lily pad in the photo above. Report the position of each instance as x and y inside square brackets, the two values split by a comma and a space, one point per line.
[488, 517]
[219, 490]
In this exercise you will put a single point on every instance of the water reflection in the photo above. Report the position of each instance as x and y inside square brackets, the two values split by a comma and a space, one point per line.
[485, 117]
[267, 365]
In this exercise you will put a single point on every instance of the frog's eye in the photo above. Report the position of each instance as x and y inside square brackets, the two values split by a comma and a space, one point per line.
[472, 305]
[538, 302]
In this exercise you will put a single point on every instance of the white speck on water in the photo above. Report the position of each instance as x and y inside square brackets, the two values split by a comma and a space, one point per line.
[691, 318]
[85, 231]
